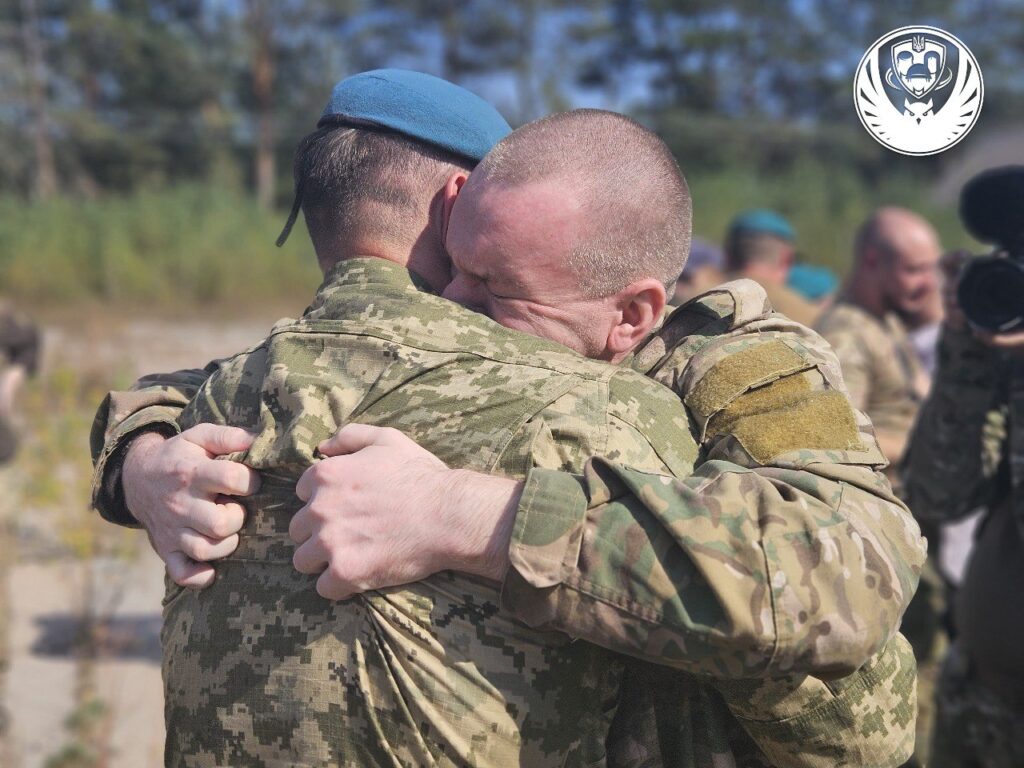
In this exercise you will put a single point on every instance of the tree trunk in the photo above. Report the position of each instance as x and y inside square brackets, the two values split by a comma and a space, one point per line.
[263, 90]
[44, 178]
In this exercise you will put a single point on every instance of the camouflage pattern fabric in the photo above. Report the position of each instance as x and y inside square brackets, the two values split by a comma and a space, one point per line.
[974, 727]
[259, 670]
[598, 589]
[880, 366]
[801, 562]
[882, 371]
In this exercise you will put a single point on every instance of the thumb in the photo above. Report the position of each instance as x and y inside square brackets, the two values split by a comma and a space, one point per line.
[355, 437]
[216, 439]
[186, 572]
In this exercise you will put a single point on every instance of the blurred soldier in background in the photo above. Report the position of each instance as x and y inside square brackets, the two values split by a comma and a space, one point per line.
[816, 284]
[19, 358]
[703, 271]
[759, 246]
[968, 451]
[894, 281]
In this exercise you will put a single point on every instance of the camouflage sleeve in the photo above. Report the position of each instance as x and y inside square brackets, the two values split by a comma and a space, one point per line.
[958, 441]
[731, 572]
[855, 361]
[786, 551]
[152, 404]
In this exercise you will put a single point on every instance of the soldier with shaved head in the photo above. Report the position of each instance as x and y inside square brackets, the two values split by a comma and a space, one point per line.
[895, 280]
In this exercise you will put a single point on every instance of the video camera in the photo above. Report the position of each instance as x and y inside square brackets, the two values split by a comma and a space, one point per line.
[991, 290]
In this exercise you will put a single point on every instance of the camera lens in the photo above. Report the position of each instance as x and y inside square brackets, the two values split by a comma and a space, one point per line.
[991, 294]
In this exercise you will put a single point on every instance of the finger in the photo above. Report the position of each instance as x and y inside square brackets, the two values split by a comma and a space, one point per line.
[310, 558]
[203, 549]
[227, 477]
[310, 479]
[331, 587]
[217, 439]
[188, 573]
[301, 526]
[215, 520]
[354, 437]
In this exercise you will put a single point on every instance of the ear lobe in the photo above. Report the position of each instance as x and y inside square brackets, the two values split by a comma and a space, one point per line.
[449, 194]
[640, 306]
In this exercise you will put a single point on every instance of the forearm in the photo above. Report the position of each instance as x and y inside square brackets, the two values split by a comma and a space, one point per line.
[730, 573]
[957, 442]
[152, 405]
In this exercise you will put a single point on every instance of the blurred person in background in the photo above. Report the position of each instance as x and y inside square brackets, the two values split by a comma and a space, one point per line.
[816, 284]
[893, 284]
[703, 271]
[19, 358]
[759, 245]
[967, 451]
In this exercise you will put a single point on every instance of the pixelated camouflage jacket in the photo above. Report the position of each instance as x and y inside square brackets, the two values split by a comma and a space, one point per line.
[260, 670]
[803, 563]
[880, 366]
[967, 449]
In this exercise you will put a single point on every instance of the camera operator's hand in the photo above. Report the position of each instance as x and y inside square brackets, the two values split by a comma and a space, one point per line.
[1012, 343]
[952, 264]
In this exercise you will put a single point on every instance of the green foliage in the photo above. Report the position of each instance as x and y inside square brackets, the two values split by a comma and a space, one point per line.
[189, 244]
[824, 206]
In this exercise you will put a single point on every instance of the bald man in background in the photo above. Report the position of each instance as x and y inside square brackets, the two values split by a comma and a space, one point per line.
[893, 283]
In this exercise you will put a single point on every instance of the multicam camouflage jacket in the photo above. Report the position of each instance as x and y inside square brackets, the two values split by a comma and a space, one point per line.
[969, 433]
[756, 592]
[260, 670]
[880, 367]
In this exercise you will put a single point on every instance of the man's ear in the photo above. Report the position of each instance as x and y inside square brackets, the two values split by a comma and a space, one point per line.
[449, 193]
[639, 306]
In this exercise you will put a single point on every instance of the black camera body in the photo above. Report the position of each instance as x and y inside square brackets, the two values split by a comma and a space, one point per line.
[991, 290]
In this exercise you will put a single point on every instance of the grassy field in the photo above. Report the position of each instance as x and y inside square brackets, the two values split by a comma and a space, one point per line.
[193, 245]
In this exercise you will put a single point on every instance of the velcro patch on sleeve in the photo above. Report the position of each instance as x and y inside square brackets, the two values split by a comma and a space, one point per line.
[741, 372]
[788, 415]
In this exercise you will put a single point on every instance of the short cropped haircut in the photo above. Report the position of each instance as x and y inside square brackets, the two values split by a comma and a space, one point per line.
[745, 248]
[339, 169]
[625, 178]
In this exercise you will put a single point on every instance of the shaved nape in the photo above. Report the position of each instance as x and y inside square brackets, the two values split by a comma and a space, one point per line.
[635, 200]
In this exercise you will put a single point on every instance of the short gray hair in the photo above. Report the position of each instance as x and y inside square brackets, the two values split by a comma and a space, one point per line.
[626, 179]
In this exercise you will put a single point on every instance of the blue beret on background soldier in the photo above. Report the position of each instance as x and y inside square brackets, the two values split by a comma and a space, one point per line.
[761, 245]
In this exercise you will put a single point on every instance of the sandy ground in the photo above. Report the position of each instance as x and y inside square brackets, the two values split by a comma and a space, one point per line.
[45, 587]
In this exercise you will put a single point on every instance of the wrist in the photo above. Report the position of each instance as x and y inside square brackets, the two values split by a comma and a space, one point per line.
[479, 512]
[133, 469]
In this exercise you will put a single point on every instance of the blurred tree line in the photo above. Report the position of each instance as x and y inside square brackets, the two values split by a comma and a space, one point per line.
[101, 97]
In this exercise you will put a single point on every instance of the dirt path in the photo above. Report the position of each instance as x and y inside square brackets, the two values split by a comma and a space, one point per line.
[46, 581]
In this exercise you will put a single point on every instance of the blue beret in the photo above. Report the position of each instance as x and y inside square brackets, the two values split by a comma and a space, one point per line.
[420, 106]
[413, 104]
[761, 221]
[812, 282]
